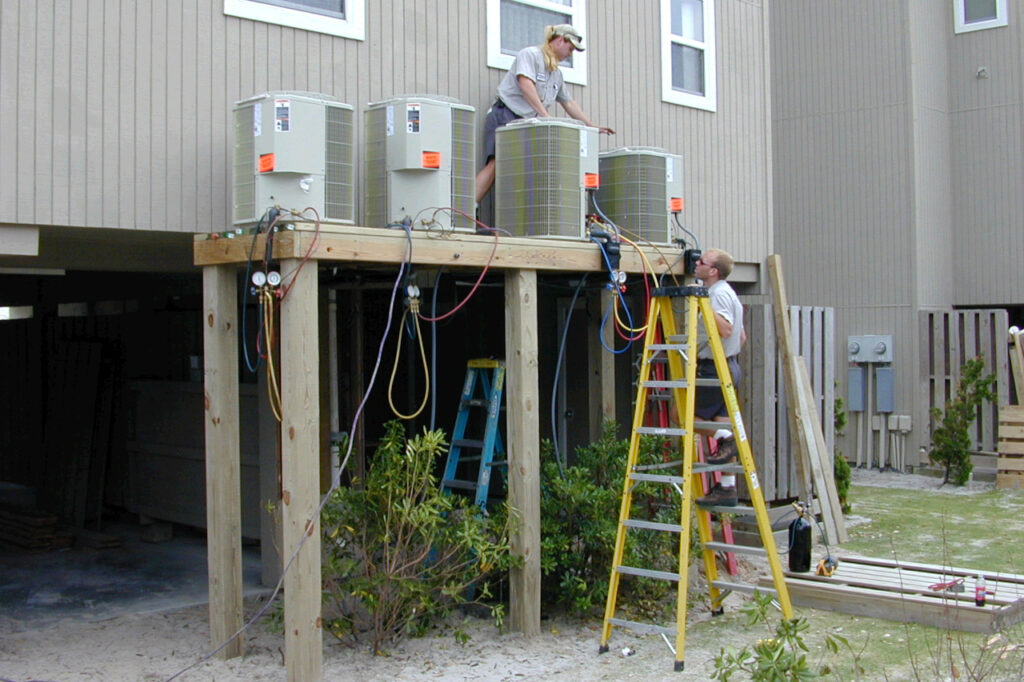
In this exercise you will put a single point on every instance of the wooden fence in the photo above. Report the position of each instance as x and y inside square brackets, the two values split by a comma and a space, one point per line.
[948, 340]
[763, 391]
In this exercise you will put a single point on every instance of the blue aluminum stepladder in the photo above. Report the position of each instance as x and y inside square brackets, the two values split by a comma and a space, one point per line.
[489, 375]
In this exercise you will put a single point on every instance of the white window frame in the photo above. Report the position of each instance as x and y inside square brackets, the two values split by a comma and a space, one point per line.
[353, 26]
[709, 100]
[960, 24]
[577, 73]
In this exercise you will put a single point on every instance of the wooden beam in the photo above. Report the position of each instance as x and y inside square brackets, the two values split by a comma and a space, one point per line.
[379, 245]
[223, 473]
[780, 310]
[300, 472]
[523, 426]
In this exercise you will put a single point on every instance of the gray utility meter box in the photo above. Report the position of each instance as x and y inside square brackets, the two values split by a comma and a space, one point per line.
[420, 156]
[641, 189]
[869, 348]
[293, 150]
[545, 167]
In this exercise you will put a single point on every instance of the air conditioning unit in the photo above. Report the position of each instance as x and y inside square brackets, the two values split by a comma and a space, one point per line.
[420, 156]
[641, 188]
[544, 168]
[293, 150]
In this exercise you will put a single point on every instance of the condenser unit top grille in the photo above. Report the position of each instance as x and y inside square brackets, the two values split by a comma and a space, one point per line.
[433, 99]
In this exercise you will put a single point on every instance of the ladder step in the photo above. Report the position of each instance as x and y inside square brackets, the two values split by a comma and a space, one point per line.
[656, 478]
[653, 525]
[467, 443]
[730, 468]
[738, 549]
[643, 628]
[475, 402]
[738, 510]
[648, 573]
[725, 585]
[660, 431]
[461, 485]
[711, 426]
[668, 346]
[665, 383]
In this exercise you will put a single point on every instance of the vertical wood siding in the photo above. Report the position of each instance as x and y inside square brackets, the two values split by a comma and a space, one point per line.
[118, 110]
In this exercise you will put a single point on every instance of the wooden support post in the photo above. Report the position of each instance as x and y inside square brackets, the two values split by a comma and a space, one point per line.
[300, 473]
[523, 428]
[223, 473]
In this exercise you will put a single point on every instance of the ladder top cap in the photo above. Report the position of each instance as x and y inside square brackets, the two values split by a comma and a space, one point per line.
[676, 292]
[485, 362]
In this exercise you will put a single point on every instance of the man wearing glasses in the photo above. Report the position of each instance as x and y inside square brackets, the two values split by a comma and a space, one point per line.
[713, 270]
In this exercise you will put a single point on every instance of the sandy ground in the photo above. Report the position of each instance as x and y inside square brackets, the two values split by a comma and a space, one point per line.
[158, 646]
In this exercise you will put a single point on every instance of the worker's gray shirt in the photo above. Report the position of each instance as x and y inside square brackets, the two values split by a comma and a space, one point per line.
[550, 84]
[726, 303]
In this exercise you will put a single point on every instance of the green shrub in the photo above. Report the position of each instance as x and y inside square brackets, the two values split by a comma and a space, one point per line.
[840, 467]
[399, 553]
[951, 440]
[579, 519]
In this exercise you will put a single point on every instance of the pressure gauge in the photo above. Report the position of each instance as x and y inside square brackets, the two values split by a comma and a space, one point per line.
[273, 278]
[259, 278]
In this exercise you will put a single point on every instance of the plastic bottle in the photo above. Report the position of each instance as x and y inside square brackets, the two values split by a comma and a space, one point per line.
[979, 590]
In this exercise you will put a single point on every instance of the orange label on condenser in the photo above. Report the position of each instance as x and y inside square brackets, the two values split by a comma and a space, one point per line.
[591, 180]
[431, 159]
[266, 163]
[675, 204]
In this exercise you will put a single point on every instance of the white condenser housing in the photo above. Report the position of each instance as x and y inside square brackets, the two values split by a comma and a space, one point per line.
[293, 150]
[641, 187]
[420, 156]
[545, 167]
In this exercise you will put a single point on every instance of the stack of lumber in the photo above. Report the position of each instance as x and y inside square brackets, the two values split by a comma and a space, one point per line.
[1010, 465]
[25, 528]
[910, 592]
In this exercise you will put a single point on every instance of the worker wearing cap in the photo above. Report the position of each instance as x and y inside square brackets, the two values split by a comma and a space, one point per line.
[532, 84]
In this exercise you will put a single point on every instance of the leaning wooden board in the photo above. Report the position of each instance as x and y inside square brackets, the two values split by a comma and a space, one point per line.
[901, 591]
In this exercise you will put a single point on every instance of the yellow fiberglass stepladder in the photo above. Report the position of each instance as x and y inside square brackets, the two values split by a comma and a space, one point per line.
[680, 352]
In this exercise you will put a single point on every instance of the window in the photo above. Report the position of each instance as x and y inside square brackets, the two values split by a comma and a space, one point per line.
[334, 17]
[688, 53]
[515, 24]
[975, 15]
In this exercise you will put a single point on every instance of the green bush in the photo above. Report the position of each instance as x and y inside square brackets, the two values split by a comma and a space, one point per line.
[840, 467]
[579, 519]
[400, 554]
[951, 439]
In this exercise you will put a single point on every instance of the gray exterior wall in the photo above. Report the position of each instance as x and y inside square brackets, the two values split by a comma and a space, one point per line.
[119, 112]
[987, 120]
[898, 171]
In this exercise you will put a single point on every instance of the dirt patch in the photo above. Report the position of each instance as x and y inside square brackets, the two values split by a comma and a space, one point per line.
[157, 646]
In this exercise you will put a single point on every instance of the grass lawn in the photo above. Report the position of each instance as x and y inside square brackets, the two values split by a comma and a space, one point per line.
[948, 526]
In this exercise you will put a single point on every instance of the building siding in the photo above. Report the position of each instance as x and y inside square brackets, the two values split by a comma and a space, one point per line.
[122, 108]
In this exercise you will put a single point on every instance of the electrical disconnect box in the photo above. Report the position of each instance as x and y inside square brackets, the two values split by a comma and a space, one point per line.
[420, 155]
[641, 190]
[293, 150]
[544, 169]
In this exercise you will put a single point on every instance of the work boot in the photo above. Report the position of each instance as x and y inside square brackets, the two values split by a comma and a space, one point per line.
[726, 452]
[719, 497]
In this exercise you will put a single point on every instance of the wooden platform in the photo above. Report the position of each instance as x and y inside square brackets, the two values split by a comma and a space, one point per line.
[901, 591]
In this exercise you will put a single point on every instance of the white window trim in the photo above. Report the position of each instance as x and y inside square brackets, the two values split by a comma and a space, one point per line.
[352, 27]
[961, 26]
[577, 74]
[709, 100]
